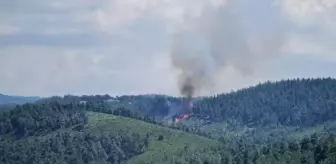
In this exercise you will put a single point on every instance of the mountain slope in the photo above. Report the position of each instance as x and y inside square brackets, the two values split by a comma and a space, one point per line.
[299, 102]
[291, 108]
[65, 130]
[295, 106]
[115, 139]
[164, 143]
[56, 133]
[6, 99]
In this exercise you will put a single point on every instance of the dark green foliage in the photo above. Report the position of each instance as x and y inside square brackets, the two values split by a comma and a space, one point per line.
[149, 108]
[300, 102]
[37, 119]
[7, 106]
[55, 132]
[57, 129]
[321, 150]
[148, 105]
[67, 99]
[73, 147]
[308, 150]
[160, 138]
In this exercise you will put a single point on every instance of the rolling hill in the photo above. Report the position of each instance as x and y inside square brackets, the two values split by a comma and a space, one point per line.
[298, 102]
[289, 121]
[8, 100]
[56, 133]
[269, 109]
[164, 144]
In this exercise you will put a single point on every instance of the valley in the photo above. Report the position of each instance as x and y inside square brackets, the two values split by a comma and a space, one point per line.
[289, 121]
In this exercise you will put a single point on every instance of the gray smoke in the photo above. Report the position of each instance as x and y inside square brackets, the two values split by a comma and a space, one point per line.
[228, 36]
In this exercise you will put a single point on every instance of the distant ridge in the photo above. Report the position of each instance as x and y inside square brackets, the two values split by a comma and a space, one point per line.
[7, 99]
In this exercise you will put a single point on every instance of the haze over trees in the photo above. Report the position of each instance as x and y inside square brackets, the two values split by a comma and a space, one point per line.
[6, 100]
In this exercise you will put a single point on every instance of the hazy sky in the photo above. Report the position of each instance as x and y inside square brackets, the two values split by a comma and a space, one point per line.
[56, 47]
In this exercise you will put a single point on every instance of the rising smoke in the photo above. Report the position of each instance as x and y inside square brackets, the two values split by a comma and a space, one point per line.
[227, 36]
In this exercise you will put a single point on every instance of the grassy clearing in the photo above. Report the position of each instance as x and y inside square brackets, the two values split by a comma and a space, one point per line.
[173, 140]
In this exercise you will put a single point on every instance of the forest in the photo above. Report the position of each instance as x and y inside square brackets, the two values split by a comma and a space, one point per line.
[6, 100]
[288, 121]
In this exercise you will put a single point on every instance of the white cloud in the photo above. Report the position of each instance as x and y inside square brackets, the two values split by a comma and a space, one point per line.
[31, 70]
[314, 27]
[113, 15]
[310, 12]
[67, 46]
[40, 69]
[300, 46]
[6, 29]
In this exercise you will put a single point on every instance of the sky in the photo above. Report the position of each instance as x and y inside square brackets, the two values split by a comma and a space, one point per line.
[117, 47]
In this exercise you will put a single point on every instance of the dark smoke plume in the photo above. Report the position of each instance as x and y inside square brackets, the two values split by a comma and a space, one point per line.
[219, 38]
[188, 88]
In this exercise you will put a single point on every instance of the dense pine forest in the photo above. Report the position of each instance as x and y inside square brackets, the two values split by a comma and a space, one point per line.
[289, 121]
[301, 102]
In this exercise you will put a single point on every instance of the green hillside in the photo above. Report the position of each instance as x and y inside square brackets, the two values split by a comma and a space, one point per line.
[114, 139]
[295, 102]
[67, 134]
[287, 108]
[290, 121]
[164, 143]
